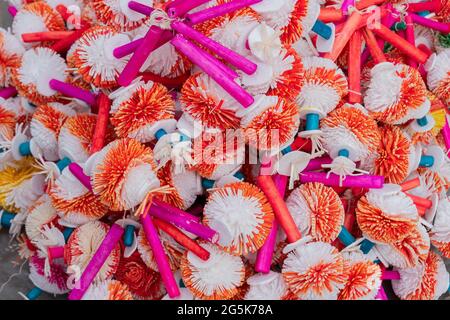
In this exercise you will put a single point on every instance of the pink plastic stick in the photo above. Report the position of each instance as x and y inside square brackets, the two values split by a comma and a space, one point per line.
[362, 181]
[346, 4]
[223, 68]
[446, 134]
[435, 25]
[217, 11]
[161, 259]
[390, 275]
[72, 91]
[108, 244]
[410, 38]
[381, 294]
[183, 222]
[55, 253]
[141, 8]
[316, 163]
[149, 43]
[132, 46]
[77, 171]
[12, 11]
[181, 8]
[265, 253]
[234, 89]
[8, 92]
[174, 210]
[230, 56]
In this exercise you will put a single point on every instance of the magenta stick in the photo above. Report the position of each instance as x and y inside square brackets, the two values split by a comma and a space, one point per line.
[8, 92]
[410, 38]
[139, 57]
[181, 8]
[108, 244]
[174, 210]
[127, 49]
[182, 222]
[160, 256]
[346, 4]
[228, 55]
[132, 46]
[446, 134]
[381, 294]
[390, 275]
[230, 86]
[316, 163]
[77, 171]
[265, 253]
[362, 181]
[223, 68]
[12, 11]
[141, 8]
[435, 25]
[217, 11]
[72, 91]
[55, 253]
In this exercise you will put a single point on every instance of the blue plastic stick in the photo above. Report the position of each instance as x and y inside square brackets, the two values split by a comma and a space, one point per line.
[426, 161]
[322, 29]
[312, 121]
[34, 293]
[25, 149]
[128, 236]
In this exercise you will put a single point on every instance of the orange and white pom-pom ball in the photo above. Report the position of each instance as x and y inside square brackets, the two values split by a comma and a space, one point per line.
[206, 104]
[386, 215]
[324, 85]
[292, 18]
[82, 245]
[41, 214]
[426, 281]
[45, 127]
[241, 214]
[94, 59]
[75, 204]
[186, 186]
[317, 211]
[396, 94]
[314, 271]
[349, 130]
[438, 75]
[75, 137]
[270, 286]
[270, 123]
[408, 251]
[363, 277]
[122, 173]
[217, 155]
[440, 233]
[117, 14]
[11, 50]
[32, 77]
[217, 278]
[281, 75]
[108, 290]
[37, 16]
[141, 110]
